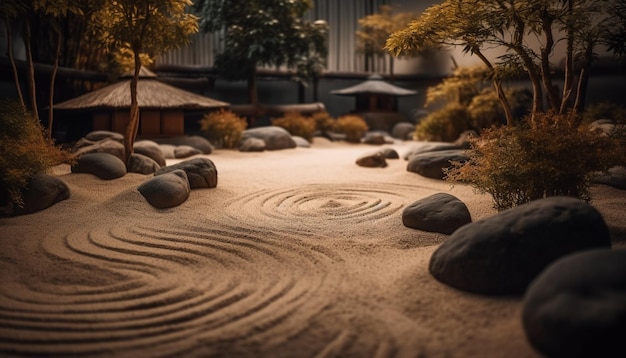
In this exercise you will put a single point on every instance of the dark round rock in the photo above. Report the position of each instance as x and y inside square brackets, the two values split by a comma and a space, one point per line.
[167, 190]
[103, 165]
[441, 212]
[577, 306]
[201, 172]
[503, 253]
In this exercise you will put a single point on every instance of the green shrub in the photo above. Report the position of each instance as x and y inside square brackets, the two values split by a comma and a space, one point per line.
[353, 126]
[223, 128]
[551, 156]
[323, 121]
[296, 124]
[25, 150]
[444, 125]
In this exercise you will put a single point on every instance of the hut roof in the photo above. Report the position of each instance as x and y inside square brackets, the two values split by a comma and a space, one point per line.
[151, 94]
[374, 85]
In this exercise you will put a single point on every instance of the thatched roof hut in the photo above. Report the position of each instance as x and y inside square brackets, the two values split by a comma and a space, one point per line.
[162, 106]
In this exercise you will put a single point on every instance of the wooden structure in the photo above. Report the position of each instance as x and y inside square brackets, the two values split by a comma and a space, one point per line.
[375, 95]
[162, 107]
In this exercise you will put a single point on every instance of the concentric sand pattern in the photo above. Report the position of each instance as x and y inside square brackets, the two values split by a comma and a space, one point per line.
[157, 291]
[304, 206]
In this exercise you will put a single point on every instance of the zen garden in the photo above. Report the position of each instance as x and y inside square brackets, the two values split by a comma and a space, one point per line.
[414, 178]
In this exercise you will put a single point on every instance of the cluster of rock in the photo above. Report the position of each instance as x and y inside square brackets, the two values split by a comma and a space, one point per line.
[102, 154]
[555, 251]
[172, 184]
[268, 138]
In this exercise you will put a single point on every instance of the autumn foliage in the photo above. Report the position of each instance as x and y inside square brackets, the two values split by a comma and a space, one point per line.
[223, 128]
[25, 151]
[548, 156]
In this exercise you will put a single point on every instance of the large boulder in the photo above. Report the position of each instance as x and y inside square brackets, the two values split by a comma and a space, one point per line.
[252, 145]
[441, 212]
[403, 130]
[198, 142]
[151, 150]
[503, 253]
[577, 306]
[433, 164]
[96, 136]
[372, 160]
[201, 172]
[428, 147]
[107, 145]
[167, 190]
[374, 138]
[275, 138]
[103, 165]
[616, 177]
[390, 153]
[138, 163]
[301, 142]
[42, 192]
[168, 151]
[185, 151]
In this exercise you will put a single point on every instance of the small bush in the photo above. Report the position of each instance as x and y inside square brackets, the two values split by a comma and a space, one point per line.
[486, 110]
[551, 156]
[223, 128]
[323, 121]
[296, 124]
[444, 125]
[25, 151]
[353, 126]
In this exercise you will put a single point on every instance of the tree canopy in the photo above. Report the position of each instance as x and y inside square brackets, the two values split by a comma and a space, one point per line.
[375, 29]
[263, 33]
[143, 26]
[512, 25]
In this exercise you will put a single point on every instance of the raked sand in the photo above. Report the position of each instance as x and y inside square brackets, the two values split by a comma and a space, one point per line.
[296, 253]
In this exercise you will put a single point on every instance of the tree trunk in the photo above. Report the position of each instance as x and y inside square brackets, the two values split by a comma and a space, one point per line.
[18, 88]
[133, 121]
[497, 85]
[316, 83]
[30, 69]
[583, 80]
[568, 84]
[252, 88]
[53, 76]
[301, 92]
[546, 77]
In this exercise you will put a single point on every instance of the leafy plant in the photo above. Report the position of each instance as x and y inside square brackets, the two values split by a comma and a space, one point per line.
[353, 126]
[143, 26]
[509, 26]
[460, 87]
[223, 128]
[323, 121]
[296, 124]
[25, 150]
[486, 110]
[374, 30]
[271, 33]
[548, 156]
[444, 125]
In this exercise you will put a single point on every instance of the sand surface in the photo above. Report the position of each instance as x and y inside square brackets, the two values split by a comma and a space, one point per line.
[296, 253]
